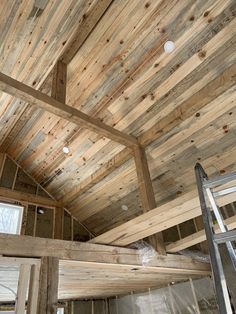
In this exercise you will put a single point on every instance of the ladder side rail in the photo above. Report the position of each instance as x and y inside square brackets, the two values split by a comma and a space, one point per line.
[217, 267]
[222, 225]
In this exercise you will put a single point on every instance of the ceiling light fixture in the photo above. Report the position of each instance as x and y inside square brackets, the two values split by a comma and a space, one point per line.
[66, 150]
[169, 46]
[124, 207]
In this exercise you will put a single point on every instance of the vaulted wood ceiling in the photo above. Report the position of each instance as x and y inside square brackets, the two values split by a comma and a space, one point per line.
[181, 105]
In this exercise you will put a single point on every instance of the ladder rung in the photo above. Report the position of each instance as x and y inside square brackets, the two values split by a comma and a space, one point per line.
[225, 191]
[219, 180]
[225, 236]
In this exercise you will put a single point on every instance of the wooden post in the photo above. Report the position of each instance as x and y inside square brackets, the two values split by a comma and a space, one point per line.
[59, 82]
[24, 218]
[22, 288]
[33, 290]
[146, 193]
[48, 288]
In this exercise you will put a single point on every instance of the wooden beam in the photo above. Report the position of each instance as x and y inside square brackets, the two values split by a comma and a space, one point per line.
[39, 99]
[197, 237]
[146, 193]
[8, 194]
[187, 109]
[25, 246]
[87, 24]
[182, 208]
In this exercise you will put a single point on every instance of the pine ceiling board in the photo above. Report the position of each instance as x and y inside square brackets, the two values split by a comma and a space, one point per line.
[204, 67]
[143, 89]
[181, 69]
[82, 170]
[213, 41]
[32, 43]
[172, 169]
[154, 85]
[135, 53]
[163, 151]
[214, 165]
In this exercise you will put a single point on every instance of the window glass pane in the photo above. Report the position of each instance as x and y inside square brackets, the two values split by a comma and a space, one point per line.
[10, 218]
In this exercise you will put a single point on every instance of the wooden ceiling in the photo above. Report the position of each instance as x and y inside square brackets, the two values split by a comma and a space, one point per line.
[181, 106]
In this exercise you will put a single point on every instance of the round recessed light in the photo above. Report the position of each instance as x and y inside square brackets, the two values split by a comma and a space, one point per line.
[124, 207]
[169, 46]
[66, 150]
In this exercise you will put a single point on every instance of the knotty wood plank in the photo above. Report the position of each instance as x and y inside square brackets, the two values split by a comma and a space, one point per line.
[35, 97]
[184, 111]
[88, 23]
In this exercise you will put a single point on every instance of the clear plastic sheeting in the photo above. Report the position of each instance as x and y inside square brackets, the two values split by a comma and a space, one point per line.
[146, 252]
[197, 255]
[183, 298]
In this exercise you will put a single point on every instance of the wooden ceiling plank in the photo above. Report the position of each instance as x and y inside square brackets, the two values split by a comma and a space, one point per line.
[97, 176]
[39, 99]
[184, 111]
[88, 23]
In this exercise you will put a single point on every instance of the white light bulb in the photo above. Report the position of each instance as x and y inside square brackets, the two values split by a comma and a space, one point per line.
[169, 46]
[124, 207]
[66, 150]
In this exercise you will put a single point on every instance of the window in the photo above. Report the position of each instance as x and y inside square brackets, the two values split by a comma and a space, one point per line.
[10, 218]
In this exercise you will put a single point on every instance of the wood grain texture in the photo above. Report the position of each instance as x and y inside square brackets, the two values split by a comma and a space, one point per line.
[178, 105]
[86, 271]
[147, 194]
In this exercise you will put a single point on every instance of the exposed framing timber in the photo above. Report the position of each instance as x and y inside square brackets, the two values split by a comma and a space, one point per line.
[39, 99]
[8, 194]
[13, 245]
[197, 237]
[33, 289]
[59, 82]
[59, 223]
[23, 282]
[146, 193]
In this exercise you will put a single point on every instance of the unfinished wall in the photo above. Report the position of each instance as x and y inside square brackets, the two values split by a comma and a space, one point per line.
[179, 298]
[38, 220]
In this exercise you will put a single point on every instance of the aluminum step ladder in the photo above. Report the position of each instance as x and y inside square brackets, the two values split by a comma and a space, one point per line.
[208, 201]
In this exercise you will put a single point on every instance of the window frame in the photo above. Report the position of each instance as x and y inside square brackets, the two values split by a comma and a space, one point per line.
[20, 217]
